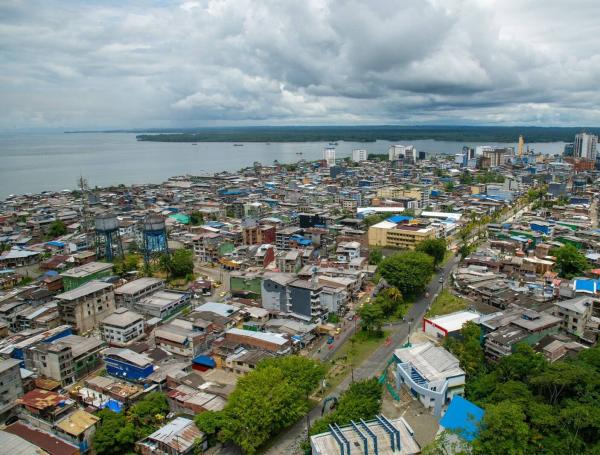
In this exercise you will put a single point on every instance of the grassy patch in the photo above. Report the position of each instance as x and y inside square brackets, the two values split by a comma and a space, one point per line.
[446, 303]
[355, 353]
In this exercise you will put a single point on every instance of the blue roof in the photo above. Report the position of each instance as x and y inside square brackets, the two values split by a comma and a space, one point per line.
[205, 360]
[586, 286]
[399, 218]
[56, 244]
[463, 417]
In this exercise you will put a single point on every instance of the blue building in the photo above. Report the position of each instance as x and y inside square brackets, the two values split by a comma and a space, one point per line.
[127, 364]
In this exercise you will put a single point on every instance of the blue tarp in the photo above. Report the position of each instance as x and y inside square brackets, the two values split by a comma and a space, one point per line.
[56, 243]
[399, 218]
[205, 361]
[462, 417]
[113, 405]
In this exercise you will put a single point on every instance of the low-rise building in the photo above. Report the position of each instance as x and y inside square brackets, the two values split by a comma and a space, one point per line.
[179, 437]
[123, 327]
[431, 373]
[448, 324]
[78, 428]
[574, 313]
[379, 436]
[163, 304]
[11, 386]
[65, 360]
[127, 364]
[272, 342]
[397, 235]
[133, 292]
[85, 306]
[179, 338]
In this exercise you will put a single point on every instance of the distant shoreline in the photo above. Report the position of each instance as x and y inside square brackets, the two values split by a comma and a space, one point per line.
[365, 134]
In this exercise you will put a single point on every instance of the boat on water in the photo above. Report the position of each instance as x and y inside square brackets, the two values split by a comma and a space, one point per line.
[333, 143]
[238, 145]
[194, 143]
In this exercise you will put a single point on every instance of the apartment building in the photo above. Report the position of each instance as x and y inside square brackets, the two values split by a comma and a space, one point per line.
[85, 306]
[574, 313]
[133, 292]
[11, 386]
[78, 276]
[123, 327]
[163, 304]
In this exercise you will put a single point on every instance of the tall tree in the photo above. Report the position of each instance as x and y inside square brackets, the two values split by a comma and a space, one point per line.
[372, 317]
[570, 261]
[409, 271]
[436, 248]
[504, 431]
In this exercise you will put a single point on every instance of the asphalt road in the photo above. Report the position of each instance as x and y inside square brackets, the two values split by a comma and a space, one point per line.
[288, 441]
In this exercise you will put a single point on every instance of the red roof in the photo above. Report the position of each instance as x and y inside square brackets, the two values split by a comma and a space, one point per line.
[41, 399]
[50, 444]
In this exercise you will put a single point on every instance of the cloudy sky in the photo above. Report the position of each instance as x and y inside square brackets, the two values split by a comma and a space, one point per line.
[135, 64]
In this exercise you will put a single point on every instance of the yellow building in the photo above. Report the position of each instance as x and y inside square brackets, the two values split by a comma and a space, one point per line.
[404, 236]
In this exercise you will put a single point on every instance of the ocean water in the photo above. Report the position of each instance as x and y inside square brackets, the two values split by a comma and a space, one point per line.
[32, 162]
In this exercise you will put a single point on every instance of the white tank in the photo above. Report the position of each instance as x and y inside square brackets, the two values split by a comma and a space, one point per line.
[154, 223]
[106, 223]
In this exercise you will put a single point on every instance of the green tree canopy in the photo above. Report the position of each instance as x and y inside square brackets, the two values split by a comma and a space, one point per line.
[362, 400]
[570, 261]
[265, 401]
[371, 318]
[375, 256]
[118, 432]
[56, 229]
[436, 248]
[409, 271]
[196, 218]
[179, 264]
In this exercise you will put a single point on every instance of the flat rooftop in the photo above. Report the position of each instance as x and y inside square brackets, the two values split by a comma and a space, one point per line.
[83, 290]
[87, 269]
[454, 321]
[135, 286]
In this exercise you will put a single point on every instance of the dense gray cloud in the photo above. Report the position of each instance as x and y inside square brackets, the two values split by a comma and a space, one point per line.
[73, 64]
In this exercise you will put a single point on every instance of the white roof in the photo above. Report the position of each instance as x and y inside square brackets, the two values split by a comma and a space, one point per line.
[380, 209]
[447, 215]
[454, 321]
[275, 338]
[87, 269]
[385, 225]
[222, 309]
[433, 363]
[137, 285]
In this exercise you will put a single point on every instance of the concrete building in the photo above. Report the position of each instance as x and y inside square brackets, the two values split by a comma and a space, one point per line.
[329, 156]
[380, 436]
[123, 327]
[78, 429]
[274, 291]
[127, 364]
[574, 313]
[585, 146]
[85, 306]
[133, 292]
[431, 373]
[396, 235]
[180, 338]
[65, 360]
[85, 273]
[402, 152]
[346, 251]
[305, 300]
[11, 386]
[359, 155]
[163, 304]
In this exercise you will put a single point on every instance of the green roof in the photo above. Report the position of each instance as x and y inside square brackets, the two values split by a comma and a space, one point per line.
[182, 218]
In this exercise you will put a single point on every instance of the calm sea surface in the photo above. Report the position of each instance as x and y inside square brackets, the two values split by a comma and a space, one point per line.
[31, 163]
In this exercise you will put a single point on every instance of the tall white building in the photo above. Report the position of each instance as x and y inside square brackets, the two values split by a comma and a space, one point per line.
[402, 152]
[329, 156]
[585, 146]
[359, 155]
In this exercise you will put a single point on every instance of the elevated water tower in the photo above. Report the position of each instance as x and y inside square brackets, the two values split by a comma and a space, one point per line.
[108, 239]
[155, 236]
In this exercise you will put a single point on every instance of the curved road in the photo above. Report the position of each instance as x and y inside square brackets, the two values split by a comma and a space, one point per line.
[288, 441]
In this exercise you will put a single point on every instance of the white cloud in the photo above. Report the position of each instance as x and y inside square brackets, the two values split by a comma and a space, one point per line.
[68, 64]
